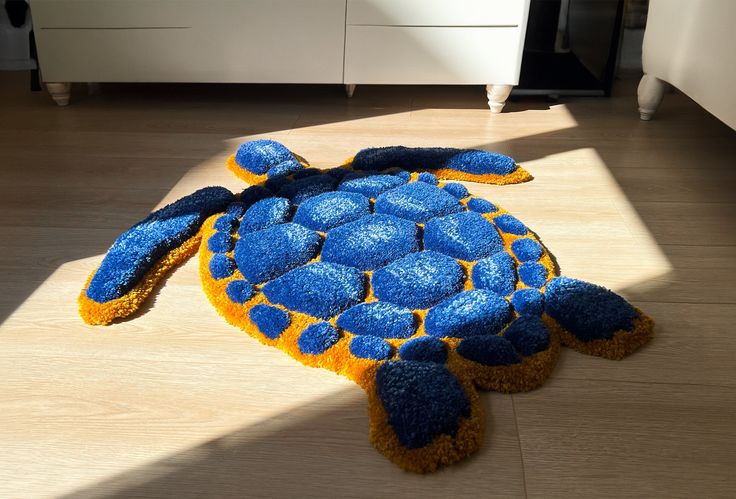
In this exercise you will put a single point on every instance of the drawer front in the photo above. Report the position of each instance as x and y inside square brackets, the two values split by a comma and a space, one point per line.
[112, 13]
[264, 41]
[432, 55]
[437, 12]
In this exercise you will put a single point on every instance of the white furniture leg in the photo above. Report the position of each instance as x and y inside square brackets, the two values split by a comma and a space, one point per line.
[497, 95]
[650, 92]
[349, 89]
[59, 92]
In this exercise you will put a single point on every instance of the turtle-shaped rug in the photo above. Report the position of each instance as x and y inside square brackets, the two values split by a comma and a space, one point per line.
[379, 271]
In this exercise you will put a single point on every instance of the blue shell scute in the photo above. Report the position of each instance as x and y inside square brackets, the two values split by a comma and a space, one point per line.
[300, 190]
[422, 400]
[234, 210]
[265, 213]
[470, 313]
[370, 242]
[370, 347]
[270, 253]
[252, 194]
[220, 242]
[239, 291]
[428, 178]
[457, 190]
[318, 338]
[528, 301]
[424, 349]
[489, 350]
[271, 321]
[467, 236]
[496, 273]
[526, 249]
[533, 274]
[588, 311]
[369, 185]
[139, 248]
[331, 209]
[479, 205]
[378, 319]
[510, 224]
[419, 280]
[221, 266]
[226, 223]
[417, 202]
[319, 289]
[528, 334]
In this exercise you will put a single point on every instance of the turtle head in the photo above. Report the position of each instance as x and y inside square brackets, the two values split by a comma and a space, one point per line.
[260, 160]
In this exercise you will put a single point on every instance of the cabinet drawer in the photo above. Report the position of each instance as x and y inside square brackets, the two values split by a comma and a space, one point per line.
[432, 55]
[65, 14]
[436, 12]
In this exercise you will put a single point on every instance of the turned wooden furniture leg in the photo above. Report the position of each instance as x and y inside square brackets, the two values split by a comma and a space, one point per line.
[349, 89]
[650, 92]
[59, 92]
[497, 95]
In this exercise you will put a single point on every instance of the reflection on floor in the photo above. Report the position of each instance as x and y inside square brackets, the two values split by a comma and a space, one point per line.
[177, 403]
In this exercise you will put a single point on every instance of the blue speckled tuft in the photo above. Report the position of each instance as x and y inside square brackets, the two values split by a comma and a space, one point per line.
[265, 213]
[378, 319]
[417, 202]
[528, 334]
[428, 178]
[270, 321]
[533, 274]
[467, 236]
[331, 209]
[239, 291]
[369, 185]
[457, 190]
[489, 350]
[526, 250]
[481, 206]
[270, 253]
[220, 242]
[470, 313]
[419, 280]
[221, 266]
[370, 347]
[528, 301]
[496, 273]
[424, 349]
[305, 188]
[371, 242]
[318, 338]
[226, 223]
[587, 311]
[319, 289]
[510, 224]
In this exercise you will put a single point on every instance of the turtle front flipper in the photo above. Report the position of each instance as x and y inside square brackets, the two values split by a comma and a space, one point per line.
[472, 165]
[422, 417]
[594, 320]
[145, 253]
[259, 160]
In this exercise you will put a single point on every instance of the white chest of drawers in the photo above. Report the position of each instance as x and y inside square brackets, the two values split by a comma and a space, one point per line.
[353, 42]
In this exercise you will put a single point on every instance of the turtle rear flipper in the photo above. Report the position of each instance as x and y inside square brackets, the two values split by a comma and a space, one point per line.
[422, 416]
[594, 320]
[145, 253]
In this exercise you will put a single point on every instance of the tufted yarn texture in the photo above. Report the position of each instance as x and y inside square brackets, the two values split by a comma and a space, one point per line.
[382, 271]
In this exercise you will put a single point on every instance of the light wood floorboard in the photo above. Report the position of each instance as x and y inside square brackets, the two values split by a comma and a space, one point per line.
[176, 403]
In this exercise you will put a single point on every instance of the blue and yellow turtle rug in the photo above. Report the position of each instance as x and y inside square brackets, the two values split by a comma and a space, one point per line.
[381, 271]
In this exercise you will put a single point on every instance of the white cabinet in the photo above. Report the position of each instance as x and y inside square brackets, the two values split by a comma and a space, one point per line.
[282, 41]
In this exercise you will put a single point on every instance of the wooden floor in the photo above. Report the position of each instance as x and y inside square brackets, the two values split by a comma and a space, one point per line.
[176, 403]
